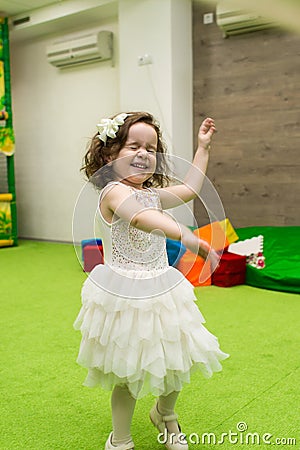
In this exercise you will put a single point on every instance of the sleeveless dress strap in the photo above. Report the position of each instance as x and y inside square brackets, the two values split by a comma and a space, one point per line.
[113, 183]
[109, 185]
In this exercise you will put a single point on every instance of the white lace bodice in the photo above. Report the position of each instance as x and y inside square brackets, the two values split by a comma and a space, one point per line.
[127, 247]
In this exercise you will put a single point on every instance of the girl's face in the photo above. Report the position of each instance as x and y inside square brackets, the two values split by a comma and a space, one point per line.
[136, 161]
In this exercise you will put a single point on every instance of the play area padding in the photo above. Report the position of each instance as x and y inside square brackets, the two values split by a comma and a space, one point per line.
[8, 208]
[282, 252]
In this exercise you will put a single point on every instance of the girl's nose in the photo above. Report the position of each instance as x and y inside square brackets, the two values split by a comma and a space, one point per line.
[142, 151]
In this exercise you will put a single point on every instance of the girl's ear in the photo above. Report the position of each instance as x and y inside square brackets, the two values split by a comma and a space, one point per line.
[108, 159]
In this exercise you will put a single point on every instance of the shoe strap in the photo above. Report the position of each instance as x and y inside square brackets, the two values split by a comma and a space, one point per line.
[129, 446]
[169, 418]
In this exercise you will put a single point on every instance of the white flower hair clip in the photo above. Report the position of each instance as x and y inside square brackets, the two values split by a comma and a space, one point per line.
[109, 127]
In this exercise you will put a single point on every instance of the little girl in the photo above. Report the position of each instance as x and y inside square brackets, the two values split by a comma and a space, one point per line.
[141, 330]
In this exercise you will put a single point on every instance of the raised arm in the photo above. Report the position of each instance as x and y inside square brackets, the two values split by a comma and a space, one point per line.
[118, 202]
[173, 196]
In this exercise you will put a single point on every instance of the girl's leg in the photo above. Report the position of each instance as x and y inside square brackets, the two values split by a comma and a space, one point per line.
[122, 405]
[165, 407]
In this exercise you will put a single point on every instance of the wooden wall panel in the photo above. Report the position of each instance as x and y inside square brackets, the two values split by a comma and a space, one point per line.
[250, 84]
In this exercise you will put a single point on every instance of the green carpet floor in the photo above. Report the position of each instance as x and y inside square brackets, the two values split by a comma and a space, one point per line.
[44, 405]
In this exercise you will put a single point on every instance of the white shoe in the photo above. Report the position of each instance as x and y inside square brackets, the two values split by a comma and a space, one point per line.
[171, 440]
[109, 445]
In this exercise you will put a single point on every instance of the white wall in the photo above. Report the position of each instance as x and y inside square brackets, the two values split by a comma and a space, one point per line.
[163, 30]
[145, 28]
[56, 111]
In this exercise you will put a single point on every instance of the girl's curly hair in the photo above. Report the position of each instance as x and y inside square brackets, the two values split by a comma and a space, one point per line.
[100, 154]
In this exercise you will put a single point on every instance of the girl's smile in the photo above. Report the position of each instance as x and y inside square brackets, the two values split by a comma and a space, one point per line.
[136, 161]
[139, 165]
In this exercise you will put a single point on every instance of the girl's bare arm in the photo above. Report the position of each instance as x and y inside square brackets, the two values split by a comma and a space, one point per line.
[173, 196]
[121, 203]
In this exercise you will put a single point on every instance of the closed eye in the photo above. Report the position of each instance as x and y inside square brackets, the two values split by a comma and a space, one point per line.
[136, 147]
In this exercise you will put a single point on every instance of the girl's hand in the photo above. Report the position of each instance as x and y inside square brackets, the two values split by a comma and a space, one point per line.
[206, 131]
[214, 259]
[207, 252]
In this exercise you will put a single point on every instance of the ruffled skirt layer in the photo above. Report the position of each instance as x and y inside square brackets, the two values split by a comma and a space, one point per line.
[150, 342]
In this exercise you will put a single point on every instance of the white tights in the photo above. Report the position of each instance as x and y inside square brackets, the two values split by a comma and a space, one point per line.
[123, 404]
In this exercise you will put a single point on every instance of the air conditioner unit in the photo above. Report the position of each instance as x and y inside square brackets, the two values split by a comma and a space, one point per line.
[81, 50]
[232, 20]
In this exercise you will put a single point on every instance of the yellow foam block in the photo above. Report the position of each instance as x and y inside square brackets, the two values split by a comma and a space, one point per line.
[6, 197]
[6, 242]
[229, 231]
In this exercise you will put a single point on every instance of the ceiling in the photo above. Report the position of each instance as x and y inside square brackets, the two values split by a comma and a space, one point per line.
[285, 12]
[14, 7]
[51, 17]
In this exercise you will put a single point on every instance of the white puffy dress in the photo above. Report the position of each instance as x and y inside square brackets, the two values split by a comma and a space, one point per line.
[139, 321]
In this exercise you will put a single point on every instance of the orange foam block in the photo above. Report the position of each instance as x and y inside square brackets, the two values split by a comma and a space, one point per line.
[214, 234]
[195, 269]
